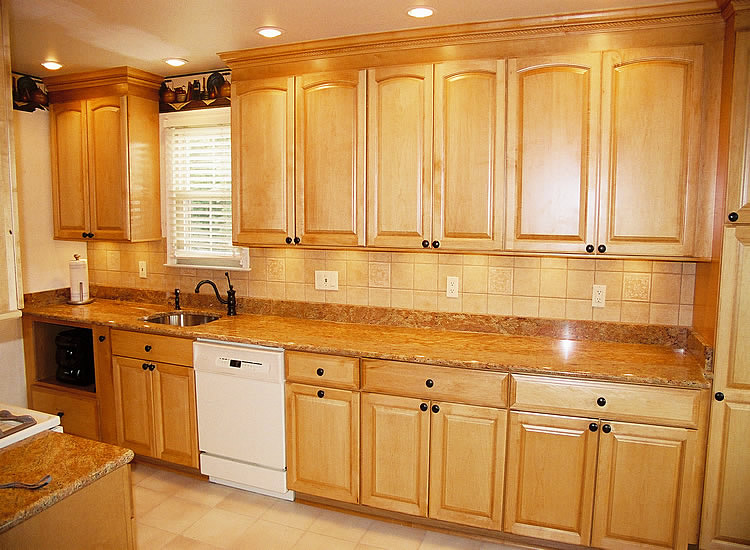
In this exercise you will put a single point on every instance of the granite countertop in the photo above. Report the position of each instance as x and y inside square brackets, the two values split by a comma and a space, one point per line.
[73, 463]
[634, 363]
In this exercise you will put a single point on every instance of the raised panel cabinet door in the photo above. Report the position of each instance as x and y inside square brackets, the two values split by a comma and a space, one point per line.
[395, 453]
[134, 405]
[553, 131]
[263, 161]
[330, 158]
[726, 496]
[738, 177]
[323, 441]
[642, 497]
[107, 121]
[549, 483]
[175, 420]
[467, 461]
[469, 147]
[649, 176]
[399, 152]
[70, 190]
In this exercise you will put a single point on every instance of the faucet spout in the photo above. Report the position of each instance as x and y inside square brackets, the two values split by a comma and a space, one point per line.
[213, 285]
[231, 300]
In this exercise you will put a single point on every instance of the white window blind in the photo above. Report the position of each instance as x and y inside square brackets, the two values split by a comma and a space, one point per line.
[197, 169]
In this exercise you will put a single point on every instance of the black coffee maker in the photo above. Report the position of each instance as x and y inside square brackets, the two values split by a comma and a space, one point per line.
[75, 356]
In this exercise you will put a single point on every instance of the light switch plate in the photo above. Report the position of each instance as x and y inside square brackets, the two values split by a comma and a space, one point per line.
[142, 269]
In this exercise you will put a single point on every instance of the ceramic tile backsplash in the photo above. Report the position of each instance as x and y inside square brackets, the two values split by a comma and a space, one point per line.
[638, 291]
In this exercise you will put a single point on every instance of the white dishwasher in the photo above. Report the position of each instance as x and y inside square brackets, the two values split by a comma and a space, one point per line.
[241, 427]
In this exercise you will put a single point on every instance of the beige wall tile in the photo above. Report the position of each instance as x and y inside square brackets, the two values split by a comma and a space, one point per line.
[667, 267]
[276, 290]
[357, 256]
[474, 279]
[425, 300]
[474, 303]
[402, 275]
[525, 282]
[277, 253]
[403, 257]
[276, 269]
[582, 264]
[449, 304]
[553, 283]
[426, 277]
[636, 286]
[526, 306]
[613, 281]
[664, 314]
[115, 279]
[256, 289]
[380, 297]
[685, 318]
[580, 285]
[638, 266]
[501, 261]
[113, 260]
[688, 268]
[554, 263]
[426, 257]
[314, 254]
[339, 255]
[552, 308]
[450, 259]
[634, 312]
[314, 295]
[687, 289]
[500, 280]
[311, 266]
[380, 275]
[500, 304]
[578, 309]
[295, 292]
[528, 263]
[294, 270]
[609, 265]
[294, 252]
[380, 257]
[611, 312]
[340, 267]
[257, 268]
[336, 296]
[259, 252]
[476, 259]
[357, 295]
[357, 273]
[403, 299]
[450, 270]
[665, 288]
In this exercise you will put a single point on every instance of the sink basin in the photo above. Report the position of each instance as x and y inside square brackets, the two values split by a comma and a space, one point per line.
[182, 318]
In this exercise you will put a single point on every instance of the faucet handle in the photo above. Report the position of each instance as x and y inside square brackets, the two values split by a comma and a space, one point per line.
[229, 282]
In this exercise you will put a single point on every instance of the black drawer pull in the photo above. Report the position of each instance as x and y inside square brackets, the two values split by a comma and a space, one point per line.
[429, 382]
[733, 216]
[601, 401]
[151, 366]
[102, 338]
[719, 396]
[147, 347]
[144, 366]
[321, 393]
[320, 372]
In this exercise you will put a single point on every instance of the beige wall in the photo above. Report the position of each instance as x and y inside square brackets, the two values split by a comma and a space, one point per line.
[638, 291]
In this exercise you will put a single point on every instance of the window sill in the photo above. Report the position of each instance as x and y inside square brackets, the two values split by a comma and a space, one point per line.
[216, 267]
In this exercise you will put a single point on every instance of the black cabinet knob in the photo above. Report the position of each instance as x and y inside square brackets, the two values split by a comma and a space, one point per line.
[288, 240]
[733, 216]
[435, 244]
[144, 366]
[102, 338]
[84, 234]
[429, 382]
[601, 248]
[151, 366]
[320, 372]
[423, 407]
[589, 248]
[719, 396]
[593, 427]
[147, 347]
[296, 240]
[601, 401]
[435, 409]
[321, 393]
[606, 428]
[60, 414]
[425, 244]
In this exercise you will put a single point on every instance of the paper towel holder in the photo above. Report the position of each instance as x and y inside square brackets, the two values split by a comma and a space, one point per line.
[76, 260]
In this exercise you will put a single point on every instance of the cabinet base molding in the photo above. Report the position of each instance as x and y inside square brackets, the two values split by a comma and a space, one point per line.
[487, 535]
[169, 466]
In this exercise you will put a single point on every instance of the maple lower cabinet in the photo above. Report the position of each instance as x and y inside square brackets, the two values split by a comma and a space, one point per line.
[727, 489]
[105, 155]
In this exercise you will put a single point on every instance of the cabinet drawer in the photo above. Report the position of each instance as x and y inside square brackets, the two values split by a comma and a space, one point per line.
[151, 347]
[474, 387]
[317, 369]
[80, 414]
[606, 400]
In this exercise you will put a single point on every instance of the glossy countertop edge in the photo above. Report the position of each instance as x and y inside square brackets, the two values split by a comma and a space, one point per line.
[60, 455]
[630, 363]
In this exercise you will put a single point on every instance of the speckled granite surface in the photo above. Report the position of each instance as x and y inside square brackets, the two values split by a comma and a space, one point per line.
[637, 363]
[73, 463]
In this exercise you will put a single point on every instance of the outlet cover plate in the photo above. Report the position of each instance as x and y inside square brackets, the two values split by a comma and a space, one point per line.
[327, 280]
[451, 287]
[599, 296]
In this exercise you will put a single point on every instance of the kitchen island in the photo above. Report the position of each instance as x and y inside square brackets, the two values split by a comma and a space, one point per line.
[88, 502]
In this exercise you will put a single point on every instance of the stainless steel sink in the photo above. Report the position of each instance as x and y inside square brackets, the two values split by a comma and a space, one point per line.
[182, 318]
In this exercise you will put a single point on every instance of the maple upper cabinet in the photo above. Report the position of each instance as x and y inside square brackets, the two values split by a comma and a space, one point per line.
[105, 155]
[330, 158]
[738, 177]
[651, 133]
[725, 522]
[263, 161]
[553, 129]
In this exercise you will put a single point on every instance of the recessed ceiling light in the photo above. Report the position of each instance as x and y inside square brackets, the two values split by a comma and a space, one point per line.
[269, 32]
[175, 61]
[51, 65]
[420, 11]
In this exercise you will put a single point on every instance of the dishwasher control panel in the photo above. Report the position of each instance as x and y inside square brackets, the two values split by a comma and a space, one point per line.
[252, 366]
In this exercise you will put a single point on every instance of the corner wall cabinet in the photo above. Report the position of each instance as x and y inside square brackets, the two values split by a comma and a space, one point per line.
[738, 176]
[105, 155]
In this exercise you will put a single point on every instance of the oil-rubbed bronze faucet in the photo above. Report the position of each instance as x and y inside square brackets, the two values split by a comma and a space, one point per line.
[177, 299]
[231, 300]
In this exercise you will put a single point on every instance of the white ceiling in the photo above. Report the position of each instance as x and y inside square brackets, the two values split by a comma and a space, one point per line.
[95, 34]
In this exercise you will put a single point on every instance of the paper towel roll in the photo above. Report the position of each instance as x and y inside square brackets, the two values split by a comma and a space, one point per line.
[79, 280]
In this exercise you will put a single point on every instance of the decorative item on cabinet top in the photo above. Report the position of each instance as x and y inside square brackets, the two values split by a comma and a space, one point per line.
[29, 93]
[193, 91]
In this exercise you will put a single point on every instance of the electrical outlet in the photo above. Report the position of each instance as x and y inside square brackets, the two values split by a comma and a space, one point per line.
[327, 280]
[451, 287]
[142, 269]
[599, 296]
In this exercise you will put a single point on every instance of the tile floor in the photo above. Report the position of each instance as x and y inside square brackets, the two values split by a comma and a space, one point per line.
[177, 511]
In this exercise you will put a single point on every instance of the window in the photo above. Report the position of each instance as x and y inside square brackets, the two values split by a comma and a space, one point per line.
[197, 184]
